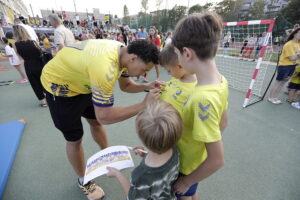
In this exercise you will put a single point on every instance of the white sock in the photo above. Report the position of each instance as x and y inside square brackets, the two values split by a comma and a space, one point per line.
[81, 179]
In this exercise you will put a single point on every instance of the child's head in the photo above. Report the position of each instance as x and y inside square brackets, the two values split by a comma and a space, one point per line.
[197, 37]
[159, 126]
[169, 60]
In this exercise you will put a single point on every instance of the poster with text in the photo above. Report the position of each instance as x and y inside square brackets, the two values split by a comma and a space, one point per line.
[115, 156]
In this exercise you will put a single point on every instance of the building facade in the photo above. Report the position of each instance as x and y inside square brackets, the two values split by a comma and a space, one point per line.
[11, 9]
[271, 6]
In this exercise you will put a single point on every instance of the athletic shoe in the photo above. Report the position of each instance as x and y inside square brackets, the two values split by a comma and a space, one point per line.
[296, 105]
[23, 81]
[91, 190]
[274, 101]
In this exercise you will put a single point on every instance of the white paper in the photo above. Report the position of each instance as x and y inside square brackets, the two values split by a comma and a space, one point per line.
[115, 156]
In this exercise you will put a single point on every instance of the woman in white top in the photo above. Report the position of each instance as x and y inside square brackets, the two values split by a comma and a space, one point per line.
[13, 59]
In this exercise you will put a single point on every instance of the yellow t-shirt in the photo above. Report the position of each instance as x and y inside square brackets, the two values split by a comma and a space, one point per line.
[175, 92]
[91, 66]
[202, 113]
[46, 43]
[289, 49]
[296, 76]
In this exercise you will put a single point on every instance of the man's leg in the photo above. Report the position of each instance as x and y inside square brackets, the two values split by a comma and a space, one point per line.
[76, 156]
[98, 133]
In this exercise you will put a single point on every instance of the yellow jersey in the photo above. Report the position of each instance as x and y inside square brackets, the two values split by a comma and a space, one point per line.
[46, 43]
[175, 92]
[202, 113]
[290, 48]
[91, 66]
[296, 76]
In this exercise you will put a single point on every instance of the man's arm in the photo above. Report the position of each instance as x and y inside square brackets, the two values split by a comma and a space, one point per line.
[127, 85]
[58, 40]
[110, 115]
[213, 162]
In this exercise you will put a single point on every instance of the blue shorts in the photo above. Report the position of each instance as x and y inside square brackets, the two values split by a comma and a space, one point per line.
[192, 190]
[284, 72]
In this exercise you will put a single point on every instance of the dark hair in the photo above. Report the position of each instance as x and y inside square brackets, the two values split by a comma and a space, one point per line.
[145, 50]
[291, 36]
[6, 41]
[168, 57]
[200, 32]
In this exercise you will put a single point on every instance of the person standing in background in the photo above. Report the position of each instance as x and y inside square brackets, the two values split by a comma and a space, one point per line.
[62, 35]
[142, 34]
[29, 50]
[29, 29]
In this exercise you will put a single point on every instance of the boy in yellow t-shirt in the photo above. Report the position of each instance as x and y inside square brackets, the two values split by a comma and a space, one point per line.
[176, 91]
[294, 88]
[204, 115]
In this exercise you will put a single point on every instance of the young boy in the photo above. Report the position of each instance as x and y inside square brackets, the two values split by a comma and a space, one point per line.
[176, 91]
[159, 127]
[196, 40]
[294, 88]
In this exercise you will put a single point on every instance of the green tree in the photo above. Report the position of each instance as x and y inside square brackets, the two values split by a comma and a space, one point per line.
[195, 9]
[228, 9]
[208, 6]
[145, 5]
[292, 12]
[157, 15]
[257, 10]
[175, 14]
[164, 20]
[126, 18]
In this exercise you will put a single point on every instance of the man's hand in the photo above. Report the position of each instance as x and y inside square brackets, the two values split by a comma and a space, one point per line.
[112, 172]
[153, 95]
[155, 84]
[181, 186]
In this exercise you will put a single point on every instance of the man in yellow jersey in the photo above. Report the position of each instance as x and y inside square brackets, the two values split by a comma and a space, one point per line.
[79, 82]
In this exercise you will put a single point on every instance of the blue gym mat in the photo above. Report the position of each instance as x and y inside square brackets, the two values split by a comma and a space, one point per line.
[10, 135]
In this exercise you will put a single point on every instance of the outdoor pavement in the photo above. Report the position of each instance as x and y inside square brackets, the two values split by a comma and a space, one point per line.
[262, 145]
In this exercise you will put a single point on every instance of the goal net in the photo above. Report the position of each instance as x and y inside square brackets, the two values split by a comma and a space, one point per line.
[246, 57]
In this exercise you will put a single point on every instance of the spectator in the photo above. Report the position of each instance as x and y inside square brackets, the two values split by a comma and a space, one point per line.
[288, 60]
[46, 43]
[260, 43]
[62, 35]
[142, 34]
[29, 50]
[226, 43]
[29, 29]
[168, 41]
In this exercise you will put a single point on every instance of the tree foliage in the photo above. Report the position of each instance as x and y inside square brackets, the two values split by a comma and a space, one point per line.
[145, 5]
[257, 10]
[195, 9]
[292, 11]
[126, 18]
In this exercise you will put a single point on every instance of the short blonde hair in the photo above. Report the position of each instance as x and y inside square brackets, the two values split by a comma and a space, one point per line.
[159, 126]
[20, 33]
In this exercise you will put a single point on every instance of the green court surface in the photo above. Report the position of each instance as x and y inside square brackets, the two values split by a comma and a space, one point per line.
[262, 145]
